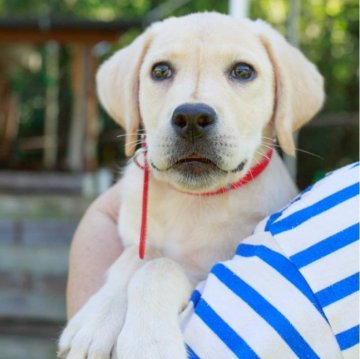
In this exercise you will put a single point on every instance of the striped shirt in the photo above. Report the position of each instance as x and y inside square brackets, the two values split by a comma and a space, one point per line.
[292, 288]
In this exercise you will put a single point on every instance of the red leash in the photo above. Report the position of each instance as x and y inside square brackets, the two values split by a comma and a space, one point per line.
[249, 176]
[144, 208]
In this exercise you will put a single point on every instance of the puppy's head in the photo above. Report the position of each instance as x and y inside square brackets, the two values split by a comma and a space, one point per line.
[210, 91]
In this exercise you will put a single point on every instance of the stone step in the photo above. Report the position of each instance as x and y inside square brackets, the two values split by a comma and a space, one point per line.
[88, 184]
[41, 283]
[32, 282]
[34, 260]
[19, 347]
[41, 182]
[18, 304]
[28, 206]
[38, 232]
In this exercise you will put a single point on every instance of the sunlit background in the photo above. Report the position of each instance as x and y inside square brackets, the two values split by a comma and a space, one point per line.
[58, 149]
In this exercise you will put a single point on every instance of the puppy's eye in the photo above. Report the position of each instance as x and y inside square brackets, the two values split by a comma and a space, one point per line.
[161, 71]
[242, 72]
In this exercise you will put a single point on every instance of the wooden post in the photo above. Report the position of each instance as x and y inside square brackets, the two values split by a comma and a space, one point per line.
[92, 120]
[51, 105]
[82, 147]
[9, 119]
[75, 153]
[293, 37]
[239, 8]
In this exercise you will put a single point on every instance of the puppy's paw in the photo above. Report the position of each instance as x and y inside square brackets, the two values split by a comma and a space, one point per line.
[156, 295]
[150, 348]
[92, 332]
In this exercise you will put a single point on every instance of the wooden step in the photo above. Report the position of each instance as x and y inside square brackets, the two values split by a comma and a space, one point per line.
[19, 304]
[34, 260]
[18, 347]
[38, 232]
[38, 182]
[32, 282]
[42, 207]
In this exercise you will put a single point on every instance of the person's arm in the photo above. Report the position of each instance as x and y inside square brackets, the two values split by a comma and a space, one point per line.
[94, 248]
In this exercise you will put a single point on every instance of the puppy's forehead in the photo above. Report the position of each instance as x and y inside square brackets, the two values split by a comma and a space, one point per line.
[215, 31]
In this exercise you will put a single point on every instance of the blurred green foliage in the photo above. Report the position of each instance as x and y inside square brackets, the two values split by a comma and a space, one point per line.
[328, 35]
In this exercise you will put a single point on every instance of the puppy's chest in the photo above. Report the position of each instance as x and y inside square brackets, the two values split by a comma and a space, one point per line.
[195, 231]
[198, 239]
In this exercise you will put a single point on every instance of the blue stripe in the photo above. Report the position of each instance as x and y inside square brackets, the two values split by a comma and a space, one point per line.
[283, 266]
[266, 310]
[348, 338]
[338, 290]
[326, 246]
[196, 295]
[191, 353]
[356, 164]
[277, 215]
[294, 220]
[229, 337]
[272, 219]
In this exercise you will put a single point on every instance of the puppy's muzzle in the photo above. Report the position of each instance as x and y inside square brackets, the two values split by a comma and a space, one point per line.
[193, 121]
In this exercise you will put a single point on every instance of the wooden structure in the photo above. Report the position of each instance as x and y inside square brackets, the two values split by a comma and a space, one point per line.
[8, 118]
[63, 31]
[83, 35]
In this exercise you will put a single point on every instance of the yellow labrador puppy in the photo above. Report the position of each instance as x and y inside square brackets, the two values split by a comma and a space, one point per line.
[210, 91]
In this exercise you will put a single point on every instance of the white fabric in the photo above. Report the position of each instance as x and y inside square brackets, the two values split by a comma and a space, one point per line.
[292, 289]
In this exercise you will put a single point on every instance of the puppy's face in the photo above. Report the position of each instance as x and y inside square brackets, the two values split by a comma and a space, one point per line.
[206, 98]
[210, 91]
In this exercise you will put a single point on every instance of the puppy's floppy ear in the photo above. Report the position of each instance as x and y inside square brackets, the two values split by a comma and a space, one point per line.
[299, 87]
[118, 88]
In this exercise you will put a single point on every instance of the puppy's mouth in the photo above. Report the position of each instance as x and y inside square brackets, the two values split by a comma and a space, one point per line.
[195, 165]
[194, 159]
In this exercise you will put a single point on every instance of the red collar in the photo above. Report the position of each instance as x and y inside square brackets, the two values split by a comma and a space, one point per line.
[254, 172]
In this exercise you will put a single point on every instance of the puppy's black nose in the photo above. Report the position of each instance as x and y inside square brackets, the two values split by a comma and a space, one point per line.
[193, 120]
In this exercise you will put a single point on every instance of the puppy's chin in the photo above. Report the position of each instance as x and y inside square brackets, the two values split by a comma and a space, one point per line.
[197, 178]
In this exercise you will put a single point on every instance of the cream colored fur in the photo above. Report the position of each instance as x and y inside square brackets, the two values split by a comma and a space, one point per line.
[136, 312]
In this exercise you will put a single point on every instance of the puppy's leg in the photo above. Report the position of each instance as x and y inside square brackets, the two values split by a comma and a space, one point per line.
[156, 295]
[92, 332]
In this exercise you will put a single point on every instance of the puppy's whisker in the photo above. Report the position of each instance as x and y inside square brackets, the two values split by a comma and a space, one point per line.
[272, 144]
[129, 134]
[268, 138]
[270, 147]
[139, 140]
[262, 155]
[136, 143]
[309, 153]
[252, 176]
